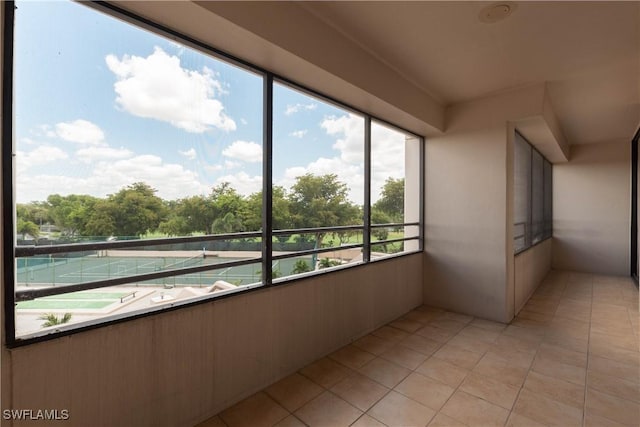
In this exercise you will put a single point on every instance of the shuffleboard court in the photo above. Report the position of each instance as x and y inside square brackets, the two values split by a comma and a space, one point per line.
[82, 300]
[64, 304]
[87, 295]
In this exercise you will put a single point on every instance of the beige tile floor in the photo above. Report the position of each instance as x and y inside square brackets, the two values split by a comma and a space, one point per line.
[570, 358]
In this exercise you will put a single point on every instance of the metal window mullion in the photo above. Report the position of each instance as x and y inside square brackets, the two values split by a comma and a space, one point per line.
[550, 201]
[530, 191]
[421, 185]
[366, 232]
[8, 229]
[24, 251]
[634, 207]
[267, 176]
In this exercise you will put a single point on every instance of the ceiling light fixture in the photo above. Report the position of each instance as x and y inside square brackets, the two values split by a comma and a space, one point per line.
[496, 12]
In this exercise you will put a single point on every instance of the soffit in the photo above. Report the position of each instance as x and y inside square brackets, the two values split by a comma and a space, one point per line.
[587, 52]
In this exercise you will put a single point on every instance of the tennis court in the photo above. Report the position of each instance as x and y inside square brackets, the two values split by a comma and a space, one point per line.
[63, 271]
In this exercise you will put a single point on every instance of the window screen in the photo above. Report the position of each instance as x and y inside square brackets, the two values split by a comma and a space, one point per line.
[522, 193]
[537, 196]
[532, 195]
[547, 214]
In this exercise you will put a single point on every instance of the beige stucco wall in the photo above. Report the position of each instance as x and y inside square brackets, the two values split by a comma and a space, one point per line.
[531, 267]
[469, 252]
[465, 222]
[180, 367]
[591, 209]
[469, 261]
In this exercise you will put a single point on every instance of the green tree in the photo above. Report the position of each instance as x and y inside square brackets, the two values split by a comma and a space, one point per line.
[101, 221]
[27, 228]
[280, 211]
[301, 266]
[71, 213]
[196, 214]
[36, 212]
[52, 320]
[275, 274]
[136, 210]
[321, 201]
[228, 223]
[391, 200]
[326, 263]
[379, 217]
[281, 216]
[174, 224]
[230, 209]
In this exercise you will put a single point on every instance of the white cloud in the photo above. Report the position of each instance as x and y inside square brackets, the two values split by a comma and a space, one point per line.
[27, 141]
[171, 180]
[227, 165]
[189, 154]
[244, 150]
[80, 131]
[178, 47]
[104, 152]
[387, 148]
[43, 130]
[292, 109]
[158, 87]
[388, 156]
[298, 133]
[349, 130]
[39, 156]
[230, 164]
[242, 182]
[350, 174]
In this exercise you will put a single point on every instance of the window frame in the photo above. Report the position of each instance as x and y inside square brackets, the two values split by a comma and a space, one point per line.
[546, 201]
[11, 251]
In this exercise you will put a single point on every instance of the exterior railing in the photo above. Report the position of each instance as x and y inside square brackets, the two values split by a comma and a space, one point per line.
[33, 251]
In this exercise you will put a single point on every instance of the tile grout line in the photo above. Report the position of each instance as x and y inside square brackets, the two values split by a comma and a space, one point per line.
[512, 411]
[457, 388]
[461, 382]
[441, 344]
[412, 371]
[533, 359]
[389, 389]
[586, 378]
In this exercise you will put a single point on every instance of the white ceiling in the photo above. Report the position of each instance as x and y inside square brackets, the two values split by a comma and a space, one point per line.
[587, 52]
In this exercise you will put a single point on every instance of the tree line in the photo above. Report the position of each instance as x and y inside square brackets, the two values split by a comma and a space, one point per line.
[312, 201]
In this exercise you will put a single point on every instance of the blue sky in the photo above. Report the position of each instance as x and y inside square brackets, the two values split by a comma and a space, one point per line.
[100, 104]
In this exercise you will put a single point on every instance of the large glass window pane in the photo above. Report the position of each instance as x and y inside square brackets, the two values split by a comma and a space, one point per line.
[533, 189]
[121, 134]
[537, 197]
[395, 190]
[318, 179]
[138, 174]
[548, 199]
[521, 193]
